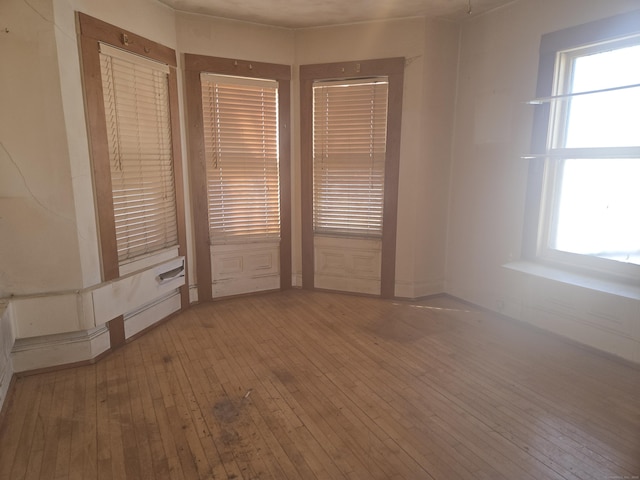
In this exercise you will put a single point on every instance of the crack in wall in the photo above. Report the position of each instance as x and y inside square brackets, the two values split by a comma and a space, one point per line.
[32, 195]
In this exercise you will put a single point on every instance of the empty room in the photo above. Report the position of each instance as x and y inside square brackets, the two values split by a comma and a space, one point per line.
[285, 239]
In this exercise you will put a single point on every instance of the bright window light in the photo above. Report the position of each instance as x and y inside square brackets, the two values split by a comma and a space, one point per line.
[608, 119]
[597, 200]
[599, 207]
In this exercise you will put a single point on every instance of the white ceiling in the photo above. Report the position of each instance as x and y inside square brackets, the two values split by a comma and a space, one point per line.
[314, 13]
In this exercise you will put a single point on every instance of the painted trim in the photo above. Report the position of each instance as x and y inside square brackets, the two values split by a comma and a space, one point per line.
[62, 349]
[7, 372]
[417, 290]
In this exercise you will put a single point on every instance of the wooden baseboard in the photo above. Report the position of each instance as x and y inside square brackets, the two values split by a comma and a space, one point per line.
[116, 332]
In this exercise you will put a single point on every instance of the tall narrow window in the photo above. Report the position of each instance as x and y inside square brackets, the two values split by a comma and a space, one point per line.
[349, 153]
[239, 147]
[136, 103]
[131, 98]
[240, 122]
[350, 126]
[584, 196]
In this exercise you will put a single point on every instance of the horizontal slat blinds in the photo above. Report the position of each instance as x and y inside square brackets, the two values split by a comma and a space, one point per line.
[349, 151]
[240, 122]
[136, 103]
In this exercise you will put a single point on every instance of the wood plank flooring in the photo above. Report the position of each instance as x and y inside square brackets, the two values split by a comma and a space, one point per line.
[310, 385]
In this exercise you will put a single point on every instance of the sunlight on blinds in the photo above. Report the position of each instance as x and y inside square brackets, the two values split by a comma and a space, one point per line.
[349, 151]
[136, 103]
[240, 120]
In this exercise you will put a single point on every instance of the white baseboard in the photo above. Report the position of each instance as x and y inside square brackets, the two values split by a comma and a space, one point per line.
[59, 328]
[6, 374]
[150, 314]
[67, 348]
[61, 349]
[193, 293]
[6, 343]
[418, 289]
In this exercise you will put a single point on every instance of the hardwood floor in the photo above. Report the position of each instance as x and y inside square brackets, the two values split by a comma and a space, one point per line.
[308, 385]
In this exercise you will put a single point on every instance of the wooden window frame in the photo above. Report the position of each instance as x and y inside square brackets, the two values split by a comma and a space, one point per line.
[393, 69]
[92, 33]
[194, 66]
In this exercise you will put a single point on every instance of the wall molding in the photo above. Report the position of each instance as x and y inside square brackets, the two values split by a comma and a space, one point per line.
[413, 290]
[61, 328]
[60, 349]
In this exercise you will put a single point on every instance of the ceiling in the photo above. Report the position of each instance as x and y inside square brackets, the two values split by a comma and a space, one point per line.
[315, 13]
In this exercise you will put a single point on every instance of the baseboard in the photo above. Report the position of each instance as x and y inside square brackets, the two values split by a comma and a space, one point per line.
[6, 382]
[415, 290]
[61, 349]
[145, 318]
[6, 343]
[193, 294]
[6, 392]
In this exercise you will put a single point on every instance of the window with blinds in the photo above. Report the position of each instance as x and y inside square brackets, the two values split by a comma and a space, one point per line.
[349, 152]
[240, 122]
[136, 101]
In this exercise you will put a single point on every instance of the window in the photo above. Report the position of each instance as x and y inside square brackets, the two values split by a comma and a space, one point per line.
[349, 152]
[130, 87]
[350, 128]
[240, 122]
[239, 148]
[136, 103]
[588, 141]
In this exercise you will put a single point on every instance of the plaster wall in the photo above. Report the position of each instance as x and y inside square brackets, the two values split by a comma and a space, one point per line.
[39, 247]
[497, 75]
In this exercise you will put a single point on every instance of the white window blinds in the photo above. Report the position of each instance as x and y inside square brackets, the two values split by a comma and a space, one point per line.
[349, 151]
[240, 122]
[136, 103]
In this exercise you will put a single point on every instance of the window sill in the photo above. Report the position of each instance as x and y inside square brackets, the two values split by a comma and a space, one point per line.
[576, 279]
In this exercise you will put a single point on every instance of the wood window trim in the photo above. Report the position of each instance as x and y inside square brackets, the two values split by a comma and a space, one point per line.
[195, 65]
[393, 68]
[92, 33]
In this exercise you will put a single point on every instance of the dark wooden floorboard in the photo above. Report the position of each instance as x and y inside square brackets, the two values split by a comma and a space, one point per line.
[311, 385]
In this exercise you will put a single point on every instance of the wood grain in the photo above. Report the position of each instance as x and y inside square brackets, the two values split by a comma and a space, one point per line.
[194, 66]
[313, 385]
[393, 68]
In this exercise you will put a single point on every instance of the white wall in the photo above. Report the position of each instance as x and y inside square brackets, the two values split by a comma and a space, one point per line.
[498, 72]
[39, 246]
[218, 37]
